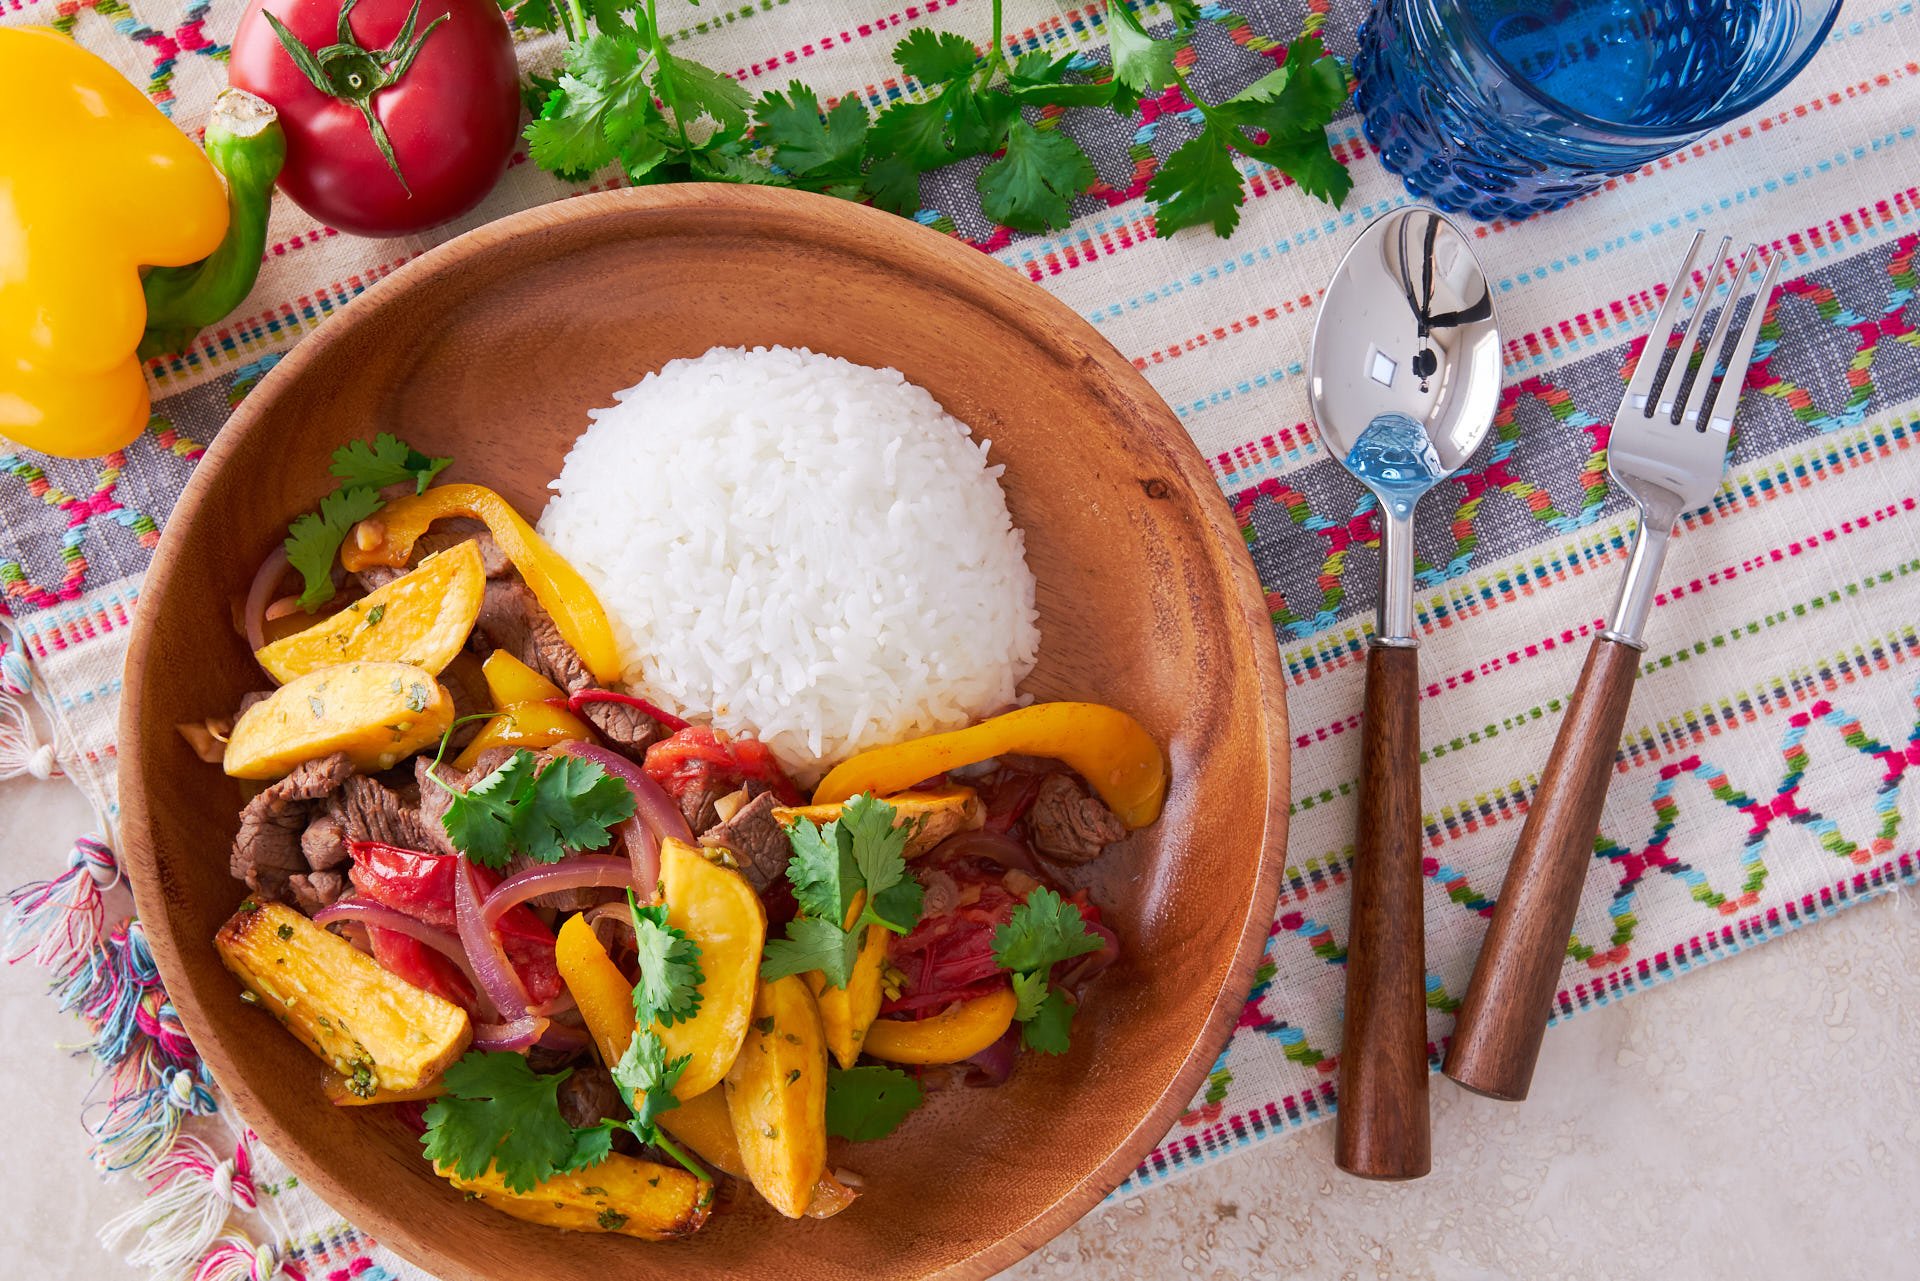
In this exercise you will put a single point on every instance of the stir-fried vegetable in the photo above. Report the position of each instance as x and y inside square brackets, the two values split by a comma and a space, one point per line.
[930, 815]
[717, 910]
[777, 1097]
[377, 713]
[421, 618]
[1108, 748]
[956, 1033]
[558, 586]
[850, 873]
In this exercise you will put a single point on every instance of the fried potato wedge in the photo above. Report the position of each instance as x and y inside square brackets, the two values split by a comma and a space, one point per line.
[939, 812]
[847, 1012]
[777, 1096]
[621, 1194]
[716, 908]
[374, 1028]
[377, 713]
[421, 618]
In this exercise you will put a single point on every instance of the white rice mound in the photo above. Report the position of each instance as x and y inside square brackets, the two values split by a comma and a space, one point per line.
[799, 548]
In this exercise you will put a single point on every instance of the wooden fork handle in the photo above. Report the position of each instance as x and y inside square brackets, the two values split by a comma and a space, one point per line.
[1496, 1038]
[1382, 1118]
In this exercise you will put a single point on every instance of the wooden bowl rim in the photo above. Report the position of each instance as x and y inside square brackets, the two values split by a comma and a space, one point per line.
[855, 230]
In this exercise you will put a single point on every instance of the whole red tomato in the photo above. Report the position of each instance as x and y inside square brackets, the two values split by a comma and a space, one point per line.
[399, 114]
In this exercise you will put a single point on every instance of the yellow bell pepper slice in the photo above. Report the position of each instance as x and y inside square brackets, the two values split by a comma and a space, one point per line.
[387, 538]
[525, 725]
[511, 681]
[1107, 747]
[597, 986]
[949, 1036]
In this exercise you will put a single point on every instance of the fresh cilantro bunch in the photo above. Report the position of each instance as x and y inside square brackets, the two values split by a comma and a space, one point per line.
[1042, 932]
[313, 540]
[869, 1102]
[572, 804]
[498, 1112]
[859, 858]
[624, 99]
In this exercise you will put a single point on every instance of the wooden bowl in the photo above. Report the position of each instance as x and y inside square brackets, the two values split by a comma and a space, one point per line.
[492, 348]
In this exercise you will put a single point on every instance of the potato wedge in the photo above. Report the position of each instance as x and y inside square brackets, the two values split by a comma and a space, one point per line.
[339, 1089]
[939, 811]
[847, 1012]
[704, 1126]
[777, 1096]
[377, 713]
[717, 909]
[369, 1024]
[949, 1036]
[621, 1194]
[421, 619]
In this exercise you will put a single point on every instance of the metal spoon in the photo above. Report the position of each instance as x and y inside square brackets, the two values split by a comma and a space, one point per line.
[1404, 381]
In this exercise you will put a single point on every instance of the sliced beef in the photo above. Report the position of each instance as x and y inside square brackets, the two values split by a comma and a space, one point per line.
[1069, 824]
[589, 1096]
[511, 619]
[467, 683]
[267, 852]
[756, 839]
[628, 730]
[699, 803]
[315, 890]
[365, 809]
[444, 534]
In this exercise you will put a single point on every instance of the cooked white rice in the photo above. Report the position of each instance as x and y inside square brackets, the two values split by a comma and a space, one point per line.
[800, 548]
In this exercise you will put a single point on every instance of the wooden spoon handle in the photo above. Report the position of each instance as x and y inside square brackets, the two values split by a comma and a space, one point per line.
[1504, 1014]
[1382, 1127]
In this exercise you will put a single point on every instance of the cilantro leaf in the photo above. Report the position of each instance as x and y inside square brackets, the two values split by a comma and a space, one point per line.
[313, 540]
[894, 185]
[934, 57]
[916, 132]
[387, 461]
[1140, 63]
[646, 1080]
[823, 872]
[1032, 186]
[601, 91]
[1029, 992]
[812, 944]
[571, 804]
[497, 1112]
[693, 91]
[1291, 107]
[670, 974]
[1047, 1029]
[1042, 932]
[809, 145]
[1037, 80]
[879, 852]
[869, 1102]
[1198, 183]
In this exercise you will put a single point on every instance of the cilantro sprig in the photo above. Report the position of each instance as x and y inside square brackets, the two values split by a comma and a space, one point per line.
[670, 974]
[519, 808]
[1042, 932]
[313, 540]
[623, 99]
[498, 1112]
[869, 1102]
[858, 857]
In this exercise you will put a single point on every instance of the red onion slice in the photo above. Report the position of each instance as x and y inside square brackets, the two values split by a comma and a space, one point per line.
[491, 972]
[1080, 975]
[361, 912]
[265, 580]
[563, 1037]
[981, 843]
[517, 1034]
[994, 1064]
[655, 814]
[581, 872]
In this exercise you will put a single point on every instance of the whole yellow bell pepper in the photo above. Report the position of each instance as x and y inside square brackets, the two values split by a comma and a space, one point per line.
[1108, 748]
[387, 538]
[96, 184]
[957, 1033]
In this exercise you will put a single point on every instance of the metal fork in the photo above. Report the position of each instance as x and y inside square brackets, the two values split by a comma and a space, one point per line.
[1669, 457]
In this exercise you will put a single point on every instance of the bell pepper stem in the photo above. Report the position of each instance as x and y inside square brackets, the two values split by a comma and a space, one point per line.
[247, 145]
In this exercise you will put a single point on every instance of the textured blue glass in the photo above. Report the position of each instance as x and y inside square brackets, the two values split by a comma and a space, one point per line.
[1505, 108]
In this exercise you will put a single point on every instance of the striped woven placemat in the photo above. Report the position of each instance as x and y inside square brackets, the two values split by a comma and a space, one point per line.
[1768, 760]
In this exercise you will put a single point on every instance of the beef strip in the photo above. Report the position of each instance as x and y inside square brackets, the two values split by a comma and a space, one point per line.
[697, 803]
[630, 730]
[758, 842]
[1068, 824]
[267, 852]
[511, 619]
[365, 809]
[589, 1097]
[444, 534]
[315, 890]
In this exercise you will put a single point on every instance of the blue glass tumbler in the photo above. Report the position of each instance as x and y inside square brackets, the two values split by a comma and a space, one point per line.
[1507, 108]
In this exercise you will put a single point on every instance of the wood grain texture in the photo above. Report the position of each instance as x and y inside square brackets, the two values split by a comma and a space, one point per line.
[1382, 1125]
[1496, 1037]
[491, 349]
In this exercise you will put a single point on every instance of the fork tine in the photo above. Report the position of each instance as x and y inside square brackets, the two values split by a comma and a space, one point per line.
[1640, 387]
[1710, 354]
[1677, 376]
[1729, 398]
